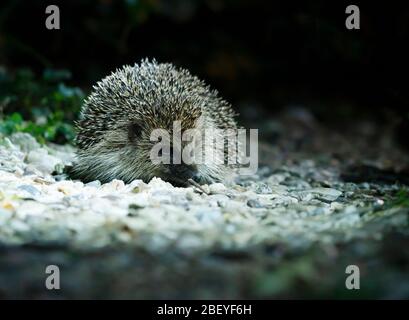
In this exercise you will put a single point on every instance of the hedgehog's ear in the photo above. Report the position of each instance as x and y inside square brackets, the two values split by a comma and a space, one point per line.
[134, 131]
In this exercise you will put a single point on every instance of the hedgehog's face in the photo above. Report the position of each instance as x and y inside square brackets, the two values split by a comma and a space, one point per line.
[166, 147]
[154, 144]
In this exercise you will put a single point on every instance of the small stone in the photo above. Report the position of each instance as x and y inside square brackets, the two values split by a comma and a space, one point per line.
[30, 170]
[209, 217]
[67, 187]
[327, 194]
[30, 207]
[25, 141]
[216, 188]
[379, 202]
[190, 194]
[5, 215]
[60, 177]
[365, 186]
[305, 196]
[136, 186]
[93, 184]
[19, 172]
[42, 161]
[162, 196]
[336, 206]
[19, 226]
[218, 200]
[205, 188]
[33, 191]
[117, 184]
[262, 189]
[254, 203]
[43, 181]
[7, 205]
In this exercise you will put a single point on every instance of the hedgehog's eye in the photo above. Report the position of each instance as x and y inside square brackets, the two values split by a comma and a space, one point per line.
[134, 131]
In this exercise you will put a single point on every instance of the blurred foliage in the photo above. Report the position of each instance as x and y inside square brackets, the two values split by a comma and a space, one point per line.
[44, 107]
[402, 198]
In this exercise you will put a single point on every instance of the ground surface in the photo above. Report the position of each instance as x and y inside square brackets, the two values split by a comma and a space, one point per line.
[318, 204]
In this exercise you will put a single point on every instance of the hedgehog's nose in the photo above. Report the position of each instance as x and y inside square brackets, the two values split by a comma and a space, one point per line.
[183, 172]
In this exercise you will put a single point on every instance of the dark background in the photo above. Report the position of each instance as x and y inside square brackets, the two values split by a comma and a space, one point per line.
[269, 54]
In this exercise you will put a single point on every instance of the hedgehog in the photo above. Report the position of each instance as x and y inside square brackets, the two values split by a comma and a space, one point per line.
[117, 118]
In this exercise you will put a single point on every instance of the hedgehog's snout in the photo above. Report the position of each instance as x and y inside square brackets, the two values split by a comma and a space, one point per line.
[179, 174]
[183, 170]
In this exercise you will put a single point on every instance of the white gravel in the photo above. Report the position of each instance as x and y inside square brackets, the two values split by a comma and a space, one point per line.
[284, 206]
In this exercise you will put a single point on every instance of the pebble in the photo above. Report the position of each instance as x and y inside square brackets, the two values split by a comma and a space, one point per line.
[326, 193]
[94, 184]
[254, 203]
[216, 188]
[25, 141]
[42, 161]
[262, 189]
[31, 190]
